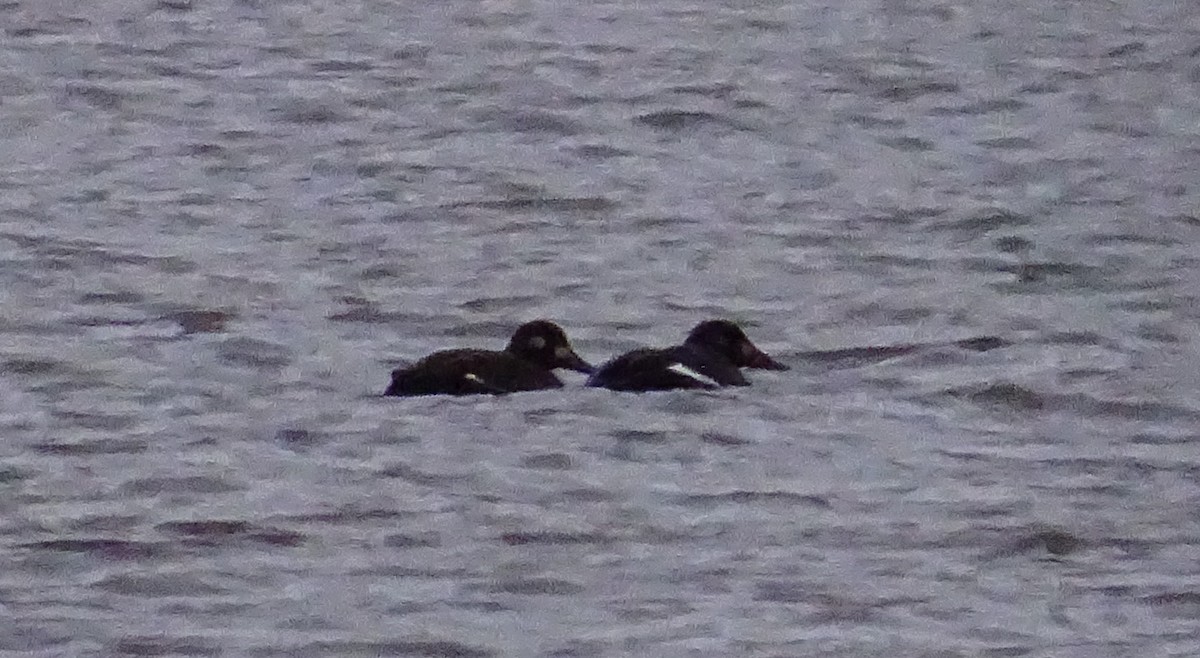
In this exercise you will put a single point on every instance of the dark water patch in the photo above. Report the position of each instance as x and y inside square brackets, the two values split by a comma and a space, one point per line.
[1007, 143]
[553, 461]
[500, 331]
[1151, 303]
[987, 220]
[1121, 129]
[1053, 541]
[413, 540]
[98, 96]
[196, 199]
[1084, 374]
[35, 367]
[96, 447]
[486, 607]
[83, 196]
[679, 120]
[540, 204]
[370, 313]
[1013, 244]
[852, 357]
[871, 122]
[107, 298]
[180, 6]
[1089, 338]
[253, 353]
[1179, 604]
[397, 571]
[96, 420]
[298, 439]
[536, 122]
[1105, 239]
[215, 532]
[1164, 439]
[495, 304]
[904, 216]
[600, 152]
[374, 170]
[982, 343]
[1141, 410]
[75, 253]
[240, 135]
[1030, 277]
[187, 484]
[839, 607]
[903, 91]
[652, 609]
[341, 66]
[204, 150]
[722, 439]
[383, 271]
[719, 90]
[106, 549]
[1127, 49]
[162, 645]
[746, 497]
[1158, 334]
[103, 321]
[655, 222]
[199, 321]
[1002, 395]
[878, 314]
[908, 144]
[10, 474]
[553, 537]
[424, 648]
[641, 436]
[157, 585]
[408, 473]
[532, 586]
[979, 108]
[348, 515]
[309, 112]
[579, 649]
[586, 495]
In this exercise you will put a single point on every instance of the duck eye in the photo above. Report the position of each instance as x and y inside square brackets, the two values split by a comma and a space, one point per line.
[562, 352]
[537, 342]
[747, 349]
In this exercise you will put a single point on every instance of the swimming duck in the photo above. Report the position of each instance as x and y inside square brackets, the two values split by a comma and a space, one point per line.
[536, 349]
[711, 357]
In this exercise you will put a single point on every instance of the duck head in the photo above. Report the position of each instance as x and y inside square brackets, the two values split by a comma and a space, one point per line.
[728, 340]
[545, 343]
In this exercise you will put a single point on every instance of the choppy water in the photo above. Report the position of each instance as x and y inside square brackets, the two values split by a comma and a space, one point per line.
[223, 223]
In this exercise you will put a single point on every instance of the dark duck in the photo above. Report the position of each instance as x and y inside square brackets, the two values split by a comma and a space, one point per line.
[711, 357]
[535, 350]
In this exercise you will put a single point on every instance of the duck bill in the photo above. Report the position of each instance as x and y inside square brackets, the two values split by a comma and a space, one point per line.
[759, 359]
[567, 358]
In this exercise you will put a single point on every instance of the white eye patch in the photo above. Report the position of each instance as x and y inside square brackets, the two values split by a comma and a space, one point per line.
[537, 342]
[680, 369]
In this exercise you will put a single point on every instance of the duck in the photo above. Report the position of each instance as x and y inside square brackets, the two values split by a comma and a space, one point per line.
[526, 364]
[711, 356]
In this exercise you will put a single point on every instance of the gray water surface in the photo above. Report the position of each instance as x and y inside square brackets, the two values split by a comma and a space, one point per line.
[223, 223]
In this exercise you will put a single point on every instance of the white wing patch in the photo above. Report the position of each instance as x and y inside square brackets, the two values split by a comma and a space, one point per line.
[680, 369]
[472, 377]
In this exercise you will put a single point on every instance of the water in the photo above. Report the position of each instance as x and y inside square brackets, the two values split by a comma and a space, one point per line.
[222, 224]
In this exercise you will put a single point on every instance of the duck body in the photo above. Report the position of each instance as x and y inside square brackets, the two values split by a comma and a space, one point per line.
[711, 357]
[526, 364]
